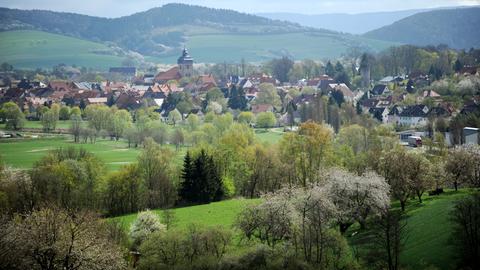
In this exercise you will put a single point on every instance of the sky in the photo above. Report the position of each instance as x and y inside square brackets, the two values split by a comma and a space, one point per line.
[117, 8]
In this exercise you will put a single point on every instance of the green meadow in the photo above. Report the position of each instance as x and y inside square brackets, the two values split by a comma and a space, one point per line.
[214, 214]
[36, 49]
[428, 232]
[427, 241]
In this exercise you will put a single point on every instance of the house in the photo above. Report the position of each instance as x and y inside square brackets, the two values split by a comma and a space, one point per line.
[394, 115]
[259, 108]
[380, 90]
[169, 75]
[367, 104]
[429, 94]
[415, 115]
[381, 114]
[99, 101]
[471, 135]
[347, 93]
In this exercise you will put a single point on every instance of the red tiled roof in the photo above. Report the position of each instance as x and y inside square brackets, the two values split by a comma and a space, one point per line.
[171, 74]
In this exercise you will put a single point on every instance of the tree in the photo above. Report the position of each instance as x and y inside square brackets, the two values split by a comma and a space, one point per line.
[193, 122]
[465, 218]
[237, 99]
[64, 113]
[76, 111]
[123, 192]
[268, 95]
[266, 120]
[246, 118]
[457, 167]
[146, 224]
[357, 196]
[67, 177]
[119, 122]
[329, 69]
[12, 115]
[395, 165]
[156, 170]
[6, 67]
[49, 121]
[54, 238]
[281, 68]
[98, 116]
[178, 138]
[305, 152]
[202, 182]
[390, 237]
[174, 116]
[337, 95]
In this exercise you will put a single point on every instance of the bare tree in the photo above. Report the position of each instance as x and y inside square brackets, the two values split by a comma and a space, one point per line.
[52, 238]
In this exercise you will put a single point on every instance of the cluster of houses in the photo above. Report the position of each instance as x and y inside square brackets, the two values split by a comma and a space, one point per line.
[153, 89]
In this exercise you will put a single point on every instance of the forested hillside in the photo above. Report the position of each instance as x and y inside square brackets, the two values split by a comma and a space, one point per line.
[457, 28]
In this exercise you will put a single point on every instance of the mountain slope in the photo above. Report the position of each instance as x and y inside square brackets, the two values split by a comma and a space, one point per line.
[347, 23]
[457, 28]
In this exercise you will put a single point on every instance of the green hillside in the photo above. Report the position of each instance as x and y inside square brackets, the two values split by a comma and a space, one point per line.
[457, 28]
[212, 35]
[32, 49]
[427, 242]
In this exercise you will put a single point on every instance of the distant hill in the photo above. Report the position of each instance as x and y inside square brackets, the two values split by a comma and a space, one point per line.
[341, 22]
[212, 35]
[457, 28]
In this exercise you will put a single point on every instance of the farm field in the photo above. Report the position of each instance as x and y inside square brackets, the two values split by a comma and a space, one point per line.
[36, 49]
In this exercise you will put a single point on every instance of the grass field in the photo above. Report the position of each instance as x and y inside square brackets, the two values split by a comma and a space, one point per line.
[63, 124]
[428, 233]
[33, 49]
[428, 227]
[24, 153]
[218, 213]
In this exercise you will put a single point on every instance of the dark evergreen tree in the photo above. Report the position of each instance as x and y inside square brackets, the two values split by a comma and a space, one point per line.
[458, 66]
[237, 99]
[339, 68]
[338, 97]
[110, 101]
[410, 88]
[329, 69]
[187, 188]
[201, 181]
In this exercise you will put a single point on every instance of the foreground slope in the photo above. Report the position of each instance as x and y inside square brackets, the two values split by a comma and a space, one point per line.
[457, 28]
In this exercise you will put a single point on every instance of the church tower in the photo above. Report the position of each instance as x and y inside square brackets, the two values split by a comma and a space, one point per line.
[185, 64]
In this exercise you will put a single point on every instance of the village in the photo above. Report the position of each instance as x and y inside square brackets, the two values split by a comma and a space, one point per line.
[181, 88]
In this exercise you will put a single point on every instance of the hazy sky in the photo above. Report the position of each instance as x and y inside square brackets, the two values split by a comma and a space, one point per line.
[116, 8]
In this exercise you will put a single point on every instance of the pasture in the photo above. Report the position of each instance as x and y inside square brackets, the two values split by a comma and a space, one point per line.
[36, 49]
